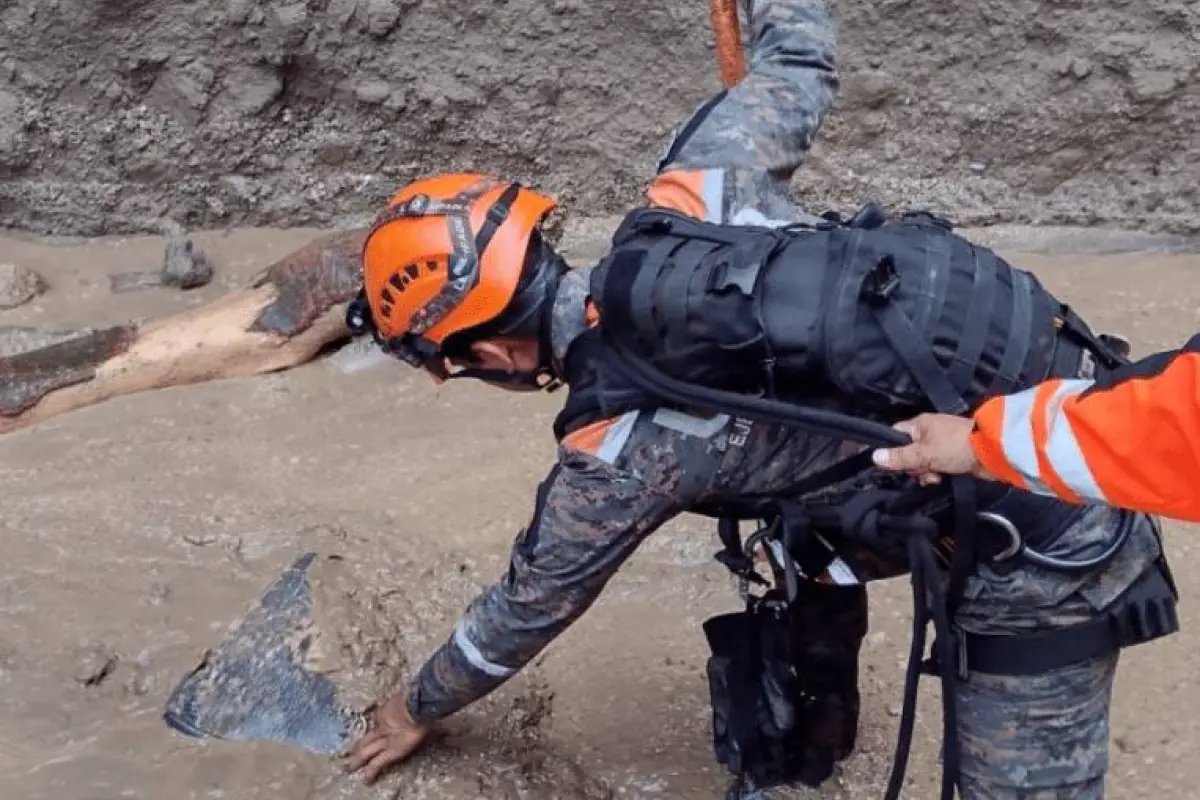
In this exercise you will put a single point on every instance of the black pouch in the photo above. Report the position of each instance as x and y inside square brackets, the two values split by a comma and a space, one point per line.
[783, 683]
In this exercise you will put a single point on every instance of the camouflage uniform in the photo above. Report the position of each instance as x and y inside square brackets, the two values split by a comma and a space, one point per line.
[1021, 737]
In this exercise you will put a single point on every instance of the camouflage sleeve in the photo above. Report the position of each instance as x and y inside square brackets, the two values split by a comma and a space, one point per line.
[733, 159]
[589, 518]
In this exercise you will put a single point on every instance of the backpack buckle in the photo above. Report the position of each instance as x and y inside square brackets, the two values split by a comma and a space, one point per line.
[882, 281]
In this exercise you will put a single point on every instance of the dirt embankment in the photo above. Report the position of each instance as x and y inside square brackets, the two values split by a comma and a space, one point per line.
[305, 112]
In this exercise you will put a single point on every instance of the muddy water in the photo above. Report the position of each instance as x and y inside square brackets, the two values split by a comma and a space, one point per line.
[136, 532]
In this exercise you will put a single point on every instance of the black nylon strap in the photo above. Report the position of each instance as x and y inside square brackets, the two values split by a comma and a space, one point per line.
[496, 215]
[1008, 375]
[1075, 326]
[916, 353]
[674, 290]
[1041, 652]
[978, 321]
[641, 293]
[921, 565]
[966, 544]
[937, 259]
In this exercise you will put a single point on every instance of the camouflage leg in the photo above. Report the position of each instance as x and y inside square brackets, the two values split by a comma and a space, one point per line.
[1083, 791]
[1086, 790]
[1047, 735]
[1041, 736]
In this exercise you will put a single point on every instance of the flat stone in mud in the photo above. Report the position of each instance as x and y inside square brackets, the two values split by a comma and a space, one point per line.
[19, 285]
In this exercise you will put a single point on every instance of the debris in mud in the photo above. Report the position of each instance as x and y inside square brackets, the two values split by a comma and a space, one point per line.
[27, 377]
[185, 266]
[93, 664]
[19, 285]
[301, 668]
[319, 649]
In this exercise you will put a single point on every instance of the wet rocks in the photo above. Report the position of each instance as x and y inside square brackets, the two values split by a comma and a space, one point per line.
[382, 16]
[19, 285]
[250, 89]
[570, 96]
[185, 266]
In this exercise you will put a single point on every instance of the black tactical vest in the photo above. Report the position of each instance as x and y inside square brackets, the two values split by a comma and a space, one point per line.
[891, 320]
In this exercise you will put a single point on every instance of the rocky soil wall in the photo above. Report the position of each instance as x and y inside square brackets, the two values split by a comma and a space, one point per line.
[304, 113]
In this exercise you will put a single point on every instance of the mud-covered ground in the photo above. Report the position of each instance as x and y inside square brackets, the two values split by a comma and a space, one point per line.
[137, 531]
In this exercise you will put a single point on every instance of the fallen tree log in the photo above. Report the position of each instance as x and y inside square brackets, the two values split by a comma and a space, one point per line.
[286, 315]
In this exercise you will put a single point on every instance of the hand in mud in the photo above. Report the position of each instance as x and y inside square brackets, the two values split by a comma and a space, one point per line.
[393, 737]
[941, 444]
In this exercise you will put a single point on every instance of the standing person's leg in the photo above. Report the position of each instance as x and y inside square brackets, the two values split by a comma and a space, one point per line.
[1045, 736]
[1042, 737]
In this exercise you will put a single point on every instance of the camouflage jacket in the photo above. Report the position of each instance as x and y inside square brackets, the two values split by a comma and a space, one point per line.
[617, 482]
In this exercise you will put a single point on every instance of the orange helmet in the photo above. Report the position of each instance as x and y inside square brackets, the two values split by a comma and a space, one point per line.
[445, 255]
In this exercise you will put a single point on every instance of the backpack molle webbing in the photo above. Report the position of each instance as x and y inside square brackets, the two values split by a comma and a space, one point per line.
[899, 316]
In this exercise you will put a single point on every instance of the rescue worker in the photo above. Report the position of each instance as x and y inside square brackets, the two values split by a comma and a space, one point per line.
[458, 277]
[1130, 440]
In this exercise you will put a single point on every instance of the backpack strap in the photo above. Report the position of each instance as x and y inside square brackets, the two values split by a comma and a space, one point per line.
[916, 353]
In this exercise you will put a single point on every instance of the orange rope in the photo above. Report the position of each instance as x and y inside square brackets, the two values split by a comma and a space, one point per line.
[730, 61]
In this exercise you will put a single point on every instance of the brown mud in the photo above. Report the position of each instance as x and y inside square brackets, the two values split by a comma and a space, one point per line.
[138, 530]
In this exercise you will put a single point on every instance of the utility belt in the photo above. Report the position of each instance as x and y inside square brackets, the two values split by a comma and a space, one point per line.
[750, 700]
[1144, 612]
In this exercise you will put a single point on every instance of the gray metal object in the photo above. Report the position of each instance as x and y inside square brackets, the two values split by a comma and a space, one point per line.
[255, 684]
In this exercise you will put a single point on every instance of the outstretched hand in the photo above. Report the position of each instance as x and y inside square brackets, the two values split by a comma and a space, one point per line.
[393, 737]
[941, 445]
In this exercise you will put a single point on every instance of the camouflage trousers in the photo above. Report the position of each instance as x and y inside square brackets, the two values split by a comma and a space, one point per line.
[1036, 738]
[1045, 737]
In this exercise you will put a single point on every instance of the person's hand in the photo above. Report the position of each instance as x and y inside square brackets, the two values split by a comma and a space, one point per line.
[941, 444]
[393, 738]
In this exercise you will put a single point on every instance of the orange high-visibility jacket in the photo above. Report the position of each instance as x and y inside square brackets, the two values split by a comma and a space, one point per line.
[1131, 440]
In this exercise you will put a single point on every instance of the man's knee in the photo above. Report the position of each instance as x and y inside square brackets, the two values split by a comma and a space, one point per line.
[1039, 735]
